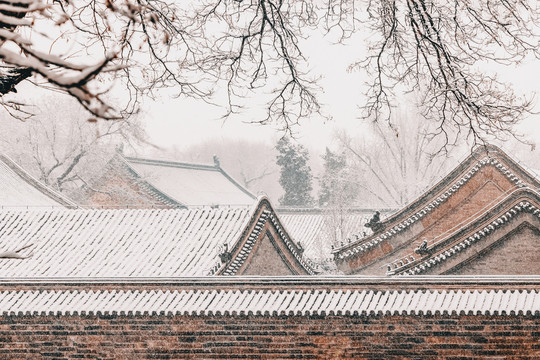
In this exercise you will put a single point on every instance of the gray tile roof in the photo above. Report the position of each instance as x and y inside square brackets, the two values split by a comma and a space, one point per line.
[20, 189]
[271, 302]
[318, 230]
[440, 193]
[191, 184]
[444, 249]
[119, 243]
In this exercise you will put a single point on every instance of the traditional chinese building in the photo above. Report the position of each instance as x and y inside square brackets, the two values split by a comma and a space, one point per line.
[147, 183]
[481, 219]
[149, 243]
[146, 283]
[20, 189]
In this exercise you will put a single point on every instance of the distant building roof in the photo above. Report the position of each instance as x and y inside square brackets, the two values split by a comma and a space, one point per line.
[20, 189]
[192, 184]
[146, 243]
[319, 230]
[146, 183]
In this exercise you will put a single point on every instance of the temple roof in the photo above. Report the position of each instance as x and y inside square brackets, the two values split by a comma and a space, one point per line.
[192, 184]
[147, 183]
[99, 243]
[466, 241]
[480, 182]
[20, 189]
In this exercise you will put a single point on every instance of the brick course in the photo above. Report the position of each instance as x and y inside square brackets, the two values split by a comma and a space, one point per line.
[270, 337]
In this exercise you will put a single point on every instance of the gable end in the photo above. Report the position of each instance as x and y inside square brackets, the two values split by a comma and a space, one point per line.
[410, 266]
[263, 223]
[495, 158]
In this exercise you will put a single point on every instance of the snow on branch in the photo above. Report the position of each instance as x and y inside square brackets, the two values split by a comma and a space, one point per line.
[23, 58]
[16, 254]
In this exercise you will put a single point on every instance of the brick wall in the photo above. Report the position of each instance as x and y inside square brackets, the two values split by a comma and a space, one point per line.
[267, 337]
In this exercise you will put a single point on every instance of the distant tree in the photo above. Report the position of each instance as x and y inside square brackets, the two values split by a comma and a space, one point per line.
[337, 186]
[398, 161]
[337, 193]
[63, 149]
[295, 178]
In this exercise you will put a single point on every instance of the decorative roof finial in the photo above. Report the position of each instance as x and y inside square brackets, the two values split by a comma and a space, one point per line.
[422, 249]
[225, 256]
[300, 248]
[375, 222]
[216, 160]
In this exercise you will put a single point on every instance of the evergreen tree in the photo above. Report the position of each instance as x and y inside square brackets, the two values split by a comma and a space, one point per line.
[295, 177]
[337, 186]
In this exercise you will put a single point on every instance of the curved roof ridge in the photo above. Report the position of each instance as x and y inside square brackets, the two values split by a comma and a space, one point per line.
[488, 149]
[35, 183]
[481, 156]
[245, 242]
[519, 203]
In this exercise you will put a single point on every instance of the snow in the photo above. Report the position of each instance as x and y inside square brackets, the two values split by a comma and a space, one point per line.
[118, 243]
[305, 302]
[192, 185]
[18, 191]
[316, 230]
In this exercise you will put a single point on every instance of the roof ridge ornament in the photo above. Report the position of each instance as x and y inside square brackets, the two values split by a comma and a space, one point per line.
[356, 248]
[423, 248]
[375, 223]
[216, 161]
[225, 255]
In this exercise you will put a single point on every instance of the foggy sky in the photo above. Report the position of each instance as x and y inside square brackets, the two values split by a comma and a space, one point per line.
[184, 122]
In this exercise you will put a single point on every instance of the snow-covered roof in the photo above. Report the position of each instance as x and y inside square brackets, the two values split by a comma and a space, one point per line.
[129, 182]
[20, 189]
[118, 243]
[302, 302]
[318, 229]
[339, 296]
[101, 243]
[192, 184]
[482, 180]
[470, 236]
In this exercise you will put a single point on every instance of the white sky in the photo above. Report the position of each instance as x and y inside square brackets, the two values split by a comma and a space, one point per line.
[179, 122]
[183, 122]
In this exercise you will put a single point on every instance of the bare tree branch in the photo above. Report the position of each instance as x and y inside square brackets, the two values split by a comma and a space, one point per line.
[435, 48]
[16, 254]
[438, 48]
